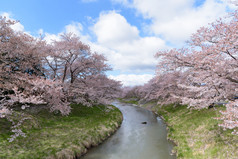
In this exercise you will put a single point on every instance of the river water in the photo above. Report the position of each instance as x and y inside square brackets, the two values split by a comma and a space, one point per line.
[134, 140]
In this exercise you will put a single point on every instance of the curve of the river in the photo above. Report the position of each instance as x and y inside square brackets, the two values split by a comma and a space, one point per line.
[134, 140]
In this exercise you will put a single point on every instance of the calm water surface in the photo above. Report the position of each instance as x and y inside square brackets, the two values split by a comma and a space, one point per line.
[134, 140]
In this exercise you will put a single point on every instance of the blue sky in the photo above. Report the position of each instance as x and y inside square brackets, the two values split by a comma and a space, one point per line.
[127, 32]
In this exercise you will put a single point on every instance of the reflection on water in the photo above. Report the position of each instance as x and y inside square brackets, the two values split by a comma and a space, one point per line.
[134, 140]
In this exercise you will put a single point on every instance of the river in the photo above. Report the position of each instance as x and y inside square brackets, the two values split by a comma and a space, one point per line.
[134, 140]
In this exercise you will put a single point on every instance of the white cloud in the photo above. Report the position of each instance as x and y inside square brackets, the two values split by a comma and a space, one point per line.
[49, 38]
[17, 26]
[176, 20]
[123, 46]
[181, 26]
[113, 29]
[74, 27]
[132, 79]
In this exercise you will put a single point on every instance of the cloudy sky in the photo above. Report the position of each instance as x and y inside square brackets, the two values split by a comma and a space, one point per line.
[127, 32]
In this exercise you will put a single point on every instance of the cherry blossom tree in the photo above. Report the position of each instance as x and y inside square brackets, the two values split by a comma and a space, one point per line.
[163, 88]
[22, 77]
[101, 90]
[211, 63]
[68, 60]
[80, 70]
[54, 75]
[21, 69]
[230, 117]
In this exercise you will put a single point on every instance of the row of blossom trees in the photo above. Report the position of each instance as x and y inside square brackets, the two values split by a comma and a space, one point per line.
[201, 74]
[55, 75]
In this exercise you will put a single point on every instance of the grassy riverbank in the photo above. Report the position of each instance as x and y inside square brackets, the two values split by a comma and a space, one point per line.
[54, 136]
[129, 101]
[197, 133]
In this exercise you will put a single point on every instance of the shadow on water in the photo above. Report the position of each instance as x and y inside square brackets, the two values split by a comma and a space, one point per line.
[134, 140]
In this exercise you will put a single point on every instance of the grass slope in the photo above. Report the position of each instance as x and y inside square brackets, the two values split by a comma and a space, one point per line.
[54, 136]
[129, 101]
[197, 134]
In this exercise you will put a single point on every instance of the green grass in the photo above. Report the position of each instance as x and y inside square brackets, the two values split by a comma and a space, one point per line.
[129, 101]
[54, 136]
[197, 133]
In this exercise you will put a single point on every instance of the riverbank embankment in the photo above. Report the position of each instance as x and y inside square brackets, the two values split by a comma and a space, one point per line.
[51, 136]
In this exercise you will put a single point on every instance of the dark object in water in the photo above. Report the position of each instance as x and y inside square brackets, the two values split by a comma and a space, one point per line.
[144, 122]
[211, 105]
